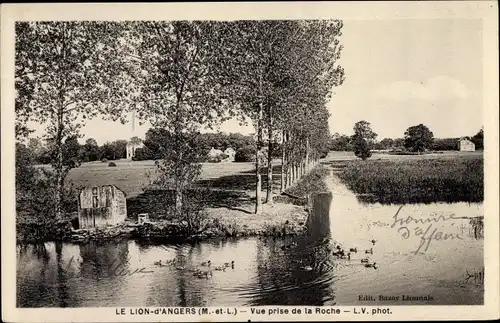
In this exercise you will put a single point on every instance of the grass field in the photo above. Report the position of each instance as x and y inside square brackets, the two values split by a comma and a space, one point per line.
[231, 184]
[442, 177]
[134, 176]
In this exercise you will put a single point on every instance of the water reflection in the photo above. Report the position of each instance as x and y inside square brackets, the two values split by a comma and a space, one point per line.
[267, 271]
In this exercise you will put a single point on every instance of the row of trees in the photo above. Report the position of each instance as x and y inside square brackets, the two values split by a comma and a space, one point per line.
[181, 76]
[43, 153]
[417, 138]
[156, 142]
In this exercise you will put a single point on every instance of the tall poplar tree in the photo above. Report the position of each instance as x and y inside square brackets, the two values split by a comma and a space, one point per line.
[179, 91]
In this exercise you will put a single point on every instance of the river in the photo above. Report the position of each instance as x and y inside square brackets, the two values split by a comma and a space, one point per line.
[267, 273]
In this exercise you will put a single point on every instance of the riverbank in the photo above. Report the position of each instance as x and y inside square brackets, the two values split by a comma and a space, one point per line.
[286, 216]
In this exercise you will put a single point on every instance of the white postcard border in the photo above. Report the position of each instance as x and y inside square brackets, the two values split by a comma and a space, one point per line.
[485, 10]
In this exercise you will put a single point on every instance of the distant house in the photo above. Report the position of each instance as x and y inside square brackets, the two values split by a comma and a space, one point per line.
[214, 153]
[100, 206]
[230, 152]
[465, 144]
[131, 148]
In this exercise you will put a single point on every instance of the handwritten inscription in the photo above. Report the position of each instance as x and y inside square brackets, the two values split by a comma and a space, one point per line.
[426, 234]
[115, 269]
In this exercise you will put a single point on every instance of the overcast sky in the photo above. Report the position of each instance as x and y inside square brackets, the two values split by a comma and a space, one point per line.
[405, 72]
[399, 73]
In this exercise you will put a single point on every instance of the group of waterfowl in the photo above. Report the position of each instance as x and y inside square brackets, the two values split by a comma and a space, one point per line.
[199, 272]
[340, 253]
[366, 260]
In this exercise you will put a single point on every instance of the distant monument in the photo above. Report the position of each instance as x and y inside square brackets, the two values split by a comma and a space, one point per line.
[132, 146]
[134, 142]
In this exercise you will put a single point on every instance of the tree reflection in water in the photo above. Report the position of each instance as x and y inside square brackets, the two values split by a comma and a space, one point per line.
[281, 276]
[62, 279]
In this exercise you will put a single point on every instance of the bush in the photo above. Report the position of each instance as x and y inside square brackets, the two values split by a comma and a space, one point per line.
[245, 154]
[35, 218]
[111, 164]
[217, 159]
[361, 148]
[143, 153]
[445, 144]
[416, 180]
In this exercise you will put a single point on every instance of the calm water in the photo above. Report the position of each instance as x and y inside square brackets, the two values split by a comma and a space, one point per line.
[124, 274]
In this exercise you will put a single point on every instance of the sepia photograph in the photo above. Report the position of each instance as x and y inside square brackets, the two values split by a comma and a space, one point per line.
[178, 164]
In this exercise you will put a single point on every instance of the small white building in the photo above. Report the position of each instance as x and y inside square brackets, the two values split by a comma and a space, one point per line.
[131, 148]
[230, 152]
[100, 206]
[465, 144]
[214, 153]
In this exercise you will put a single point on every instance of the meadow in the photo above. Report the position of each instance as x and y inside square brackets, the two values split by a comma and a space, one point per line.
[133, 177]
[393, 179]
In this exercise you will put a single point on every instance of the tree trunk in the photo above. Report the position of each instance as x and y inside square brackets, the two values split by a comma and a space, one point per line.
[308, 168]
[269, 197]
[299, 169]
[178, 188]
[288, 164]
[178, 171]
[258, 188]
[59, 165]
[295, 172]
[178, 200]
[288, 173]
[283, 164]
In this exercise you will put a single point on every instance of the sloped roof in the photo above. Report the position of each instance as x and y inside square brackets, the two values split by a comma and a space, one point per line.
[91, 186]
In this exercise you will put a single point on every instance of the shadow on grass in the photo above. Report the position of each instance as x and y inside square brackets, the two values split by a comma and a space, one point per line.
[224, 192]
[160, 203]
[243, 181]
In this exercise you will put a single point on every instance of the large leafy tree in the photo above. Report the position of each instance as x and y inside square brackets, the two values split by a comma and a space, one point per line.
[418, 138]
[386, 143]
[120, 148]
[71, 152]
[135, 140]
[362, 139]
[107, 151]
[179, 90]
[90, 150]
[340, 142]
[65, 73]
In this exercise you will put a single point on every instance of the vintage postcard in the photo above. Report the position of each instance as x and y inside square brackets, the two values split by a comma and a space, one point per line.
[251, 161]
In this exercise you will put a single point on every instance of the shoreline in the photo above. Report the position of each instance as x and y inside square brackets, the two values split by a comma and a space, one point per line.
[285, 217]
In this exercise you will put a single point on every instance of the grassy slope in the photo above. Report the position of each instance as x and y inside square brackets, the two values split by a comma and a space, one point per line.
[132, 177]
